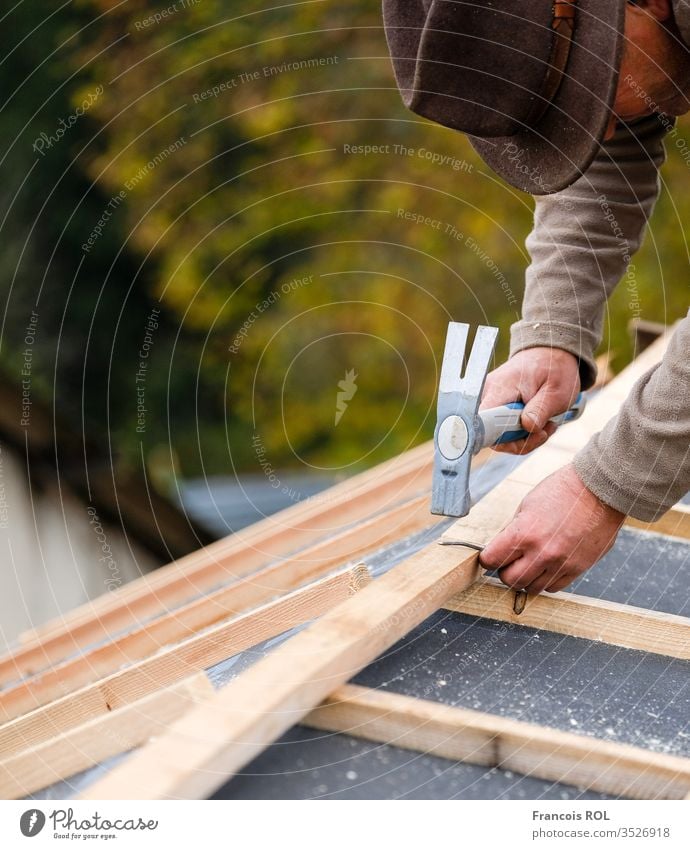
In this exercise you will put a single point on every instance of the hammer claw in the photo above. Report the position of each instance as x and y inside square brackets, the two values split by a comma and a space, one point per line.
[453, 355]
[479, 361]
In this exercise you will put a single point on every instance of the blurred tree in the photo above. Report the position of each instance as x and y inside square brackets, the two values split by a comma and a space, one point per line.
[299, 216]
[292, 221]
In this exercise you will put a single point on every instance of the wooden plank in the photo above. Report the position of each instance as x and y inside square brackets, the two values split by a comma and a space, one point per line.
[211, 742]
[92, 742]
[285, 575]
[181, 660]
[215, 740]
[479, 738]
[283, 533]
[578, 616]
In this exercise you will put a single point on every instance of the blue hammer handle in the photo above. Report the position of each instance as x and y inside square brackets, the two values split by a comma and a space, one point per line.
[502, 424]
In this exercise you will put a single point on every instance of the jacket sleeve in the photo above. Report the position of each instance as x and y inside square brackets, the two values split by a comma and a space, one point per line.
[582, 243]
[640, 462]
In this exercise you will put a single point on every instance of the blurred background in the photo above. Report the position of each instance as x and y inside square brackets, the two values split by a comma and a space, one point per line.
[229, 256]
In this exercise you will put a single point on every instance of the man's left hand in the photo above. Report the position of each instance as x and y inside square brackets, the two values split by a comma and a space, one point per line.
[559, 531]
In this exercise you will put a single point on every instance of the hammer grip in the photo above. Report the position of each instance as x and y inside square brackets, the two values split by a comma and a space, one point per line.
[502, 424]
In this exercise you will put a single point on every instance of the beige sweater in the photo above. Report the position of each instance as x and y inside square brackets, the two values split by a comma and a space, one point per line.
[580, 247]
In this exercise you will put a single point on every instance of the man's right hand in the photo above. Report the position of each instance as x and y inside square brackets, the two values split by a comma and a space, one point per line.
[546, 380]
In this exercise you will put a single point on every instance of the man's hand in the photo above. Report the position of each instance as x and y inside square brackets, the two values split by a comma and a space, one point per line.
[546, 380]
[558, 532]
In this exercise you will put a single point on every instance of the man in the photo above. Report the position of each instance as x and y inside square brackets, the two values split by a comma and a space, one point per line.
[569, 101]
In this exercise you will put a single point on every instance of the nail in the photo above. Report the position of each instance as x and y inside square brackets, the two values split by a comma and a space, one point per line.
[520, 602]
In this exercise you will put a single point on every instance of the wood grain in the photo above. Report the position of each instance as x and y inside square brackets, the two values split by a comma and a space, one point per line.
[235, 556]
[675, 523]
[200, 750]
[179, 661]
[92, 742]
[181, 622]
[578, 616]
[469, 736]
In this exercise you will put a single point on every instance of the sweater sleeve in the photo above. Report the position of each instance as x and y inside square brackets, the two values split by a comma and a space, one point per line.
[582, 242]
[640, 462]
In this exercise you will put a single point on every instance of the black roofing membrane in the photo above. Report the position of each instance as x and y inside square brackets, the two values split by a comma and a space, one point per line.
[642, 569]
[309, 764]
[510, 670]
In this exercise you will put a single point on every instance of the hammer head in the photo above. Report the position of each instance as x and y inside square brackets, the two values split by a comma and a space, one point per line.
[456, 422]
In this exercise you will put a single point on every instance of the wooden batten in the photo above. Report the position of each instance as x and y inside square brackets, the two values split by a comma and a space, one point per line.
[178, 661]
[214, 740]
[480, 738]
[579, 616]
[117, 731]
[178, 623]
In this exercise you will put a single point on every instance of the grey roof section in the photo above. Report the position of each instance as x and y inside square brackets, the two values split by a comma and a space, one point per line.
[578, 685]
[227, 504]
[309, 764]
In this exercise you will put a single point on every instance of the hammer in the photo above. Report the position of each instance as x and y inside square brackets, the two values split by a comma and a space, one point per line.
[461, 430]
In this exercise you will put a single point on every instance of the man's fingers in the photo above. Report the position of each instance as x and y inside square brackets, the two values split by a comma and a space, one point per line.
[524, 446]
[540, 583]
[544, 405]
[551, 581]
[521, 574]
[498, 392]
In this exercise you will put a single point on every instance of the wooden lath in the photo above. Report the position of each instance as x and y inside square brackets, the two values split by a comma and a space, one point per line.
[675, 523]
[470, 736]
[68, 752]
[220, 732]
[181, 582]
[176, 662]
[579, 616]
[282, 576]
[352, 502]
[284, 533]
[215, 739]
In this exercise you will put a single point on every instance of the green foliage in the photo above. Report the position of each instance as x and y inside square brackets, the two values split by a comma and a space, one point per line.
[290, 219]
